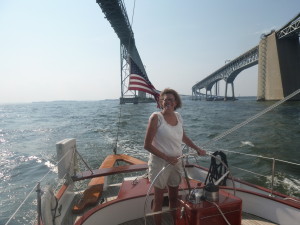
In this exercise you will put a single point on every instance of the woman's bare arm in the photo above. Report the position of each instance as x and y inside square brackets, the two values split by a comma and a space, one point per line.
[191, 144]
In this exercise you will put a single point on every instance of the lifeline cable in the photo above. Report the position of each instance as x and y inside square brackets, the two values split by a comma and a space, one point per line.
[33, 189]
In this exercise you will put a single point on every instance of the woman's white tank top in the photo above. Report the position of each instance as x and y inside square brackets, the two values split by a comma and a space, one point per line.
[168, 138]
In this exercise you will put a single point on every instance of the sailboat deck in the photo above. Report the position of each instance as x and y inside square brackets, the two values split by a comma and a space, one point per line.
[247, 219]
[111, 193]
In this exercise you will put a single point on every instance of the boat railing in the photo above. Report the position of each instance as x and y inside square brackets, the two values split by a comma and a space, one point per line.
[33, 198]
[271, 178]
[273, 167]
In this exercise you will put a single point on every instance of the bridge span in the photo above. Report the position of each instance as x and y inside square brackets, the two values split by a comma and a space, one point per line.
[278, 59]
[115, 13]
[228, 73]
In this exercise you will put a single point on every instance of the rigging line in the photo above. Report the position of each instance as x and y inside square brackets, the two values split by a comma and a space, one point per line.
[218, 207]
[238, 126]
[120, 111]
[118, 130]
[83, 161]
[27, 196]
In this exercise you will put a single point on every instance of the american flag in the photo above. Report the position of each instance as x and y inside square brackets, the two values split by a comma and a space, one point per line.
[140, 82]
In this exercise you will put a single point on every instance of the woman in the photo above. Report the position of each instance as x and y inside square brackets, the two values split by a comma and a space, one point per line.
[164, 137]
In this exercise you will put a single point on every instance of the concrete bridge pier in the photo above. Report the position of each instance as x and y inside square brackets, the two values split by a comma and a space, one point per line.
[217, 88]
[232, 89]
[206, 97]
[278, 67]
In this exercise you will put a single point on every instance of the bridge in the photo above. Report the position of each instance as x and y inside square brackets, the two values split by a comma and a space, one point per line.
[278, 59]
[115, 13]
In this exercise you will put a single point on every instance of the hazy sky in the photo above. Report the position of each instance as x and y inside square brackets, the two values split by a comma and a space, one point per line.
[66, 50]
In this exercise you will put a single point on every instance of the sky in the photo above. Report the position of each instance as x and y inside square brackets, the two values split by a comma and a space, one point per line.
[66, 50]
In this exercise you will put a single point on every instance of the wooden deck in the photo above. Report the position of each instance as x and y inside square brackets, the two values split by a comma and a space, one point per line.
[248, 219]
[95, 187]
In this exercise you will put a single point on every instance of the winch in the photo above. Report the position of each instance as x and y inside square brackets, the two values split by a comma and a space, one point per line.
[210, 204]
[211, 192]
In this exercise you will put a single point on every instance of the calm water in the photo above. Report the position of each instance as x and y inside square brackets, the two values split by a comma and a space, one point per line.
[28, 133]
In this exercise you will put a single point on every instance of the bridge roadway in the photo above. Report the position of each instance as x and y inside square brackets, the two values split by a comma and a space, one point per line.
[229, 72]
[115, 13]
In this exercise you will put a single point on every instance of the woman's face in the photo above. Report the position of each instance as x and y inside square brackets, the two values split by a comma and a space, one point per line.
[169, 102]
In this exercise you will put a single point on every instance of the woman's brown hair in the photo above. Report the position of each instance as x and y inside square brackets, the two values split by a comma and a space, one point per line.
[173, 92]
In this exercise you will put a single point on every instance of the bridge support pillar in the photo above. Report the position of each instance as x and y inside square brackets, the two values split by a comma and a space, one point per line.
[232, 90]
[278, 68]
[225, 96]
[216, 89]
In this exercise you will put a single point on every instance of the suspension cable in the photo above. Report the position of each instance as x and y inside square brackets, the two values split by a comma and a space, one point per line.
[132, 14]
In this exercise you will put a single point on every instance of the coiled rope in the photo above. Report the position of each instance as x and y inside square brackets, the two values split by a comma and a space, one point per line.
[216, 170]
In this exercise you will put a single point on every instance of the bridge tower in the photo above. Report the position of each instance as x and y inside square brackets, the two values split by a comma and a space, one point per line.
[278, 67]
[128, 96]
[115, 13]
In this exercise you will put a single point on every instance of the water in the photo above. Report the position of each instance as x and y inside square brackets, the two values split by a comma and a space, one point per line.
[28, 133]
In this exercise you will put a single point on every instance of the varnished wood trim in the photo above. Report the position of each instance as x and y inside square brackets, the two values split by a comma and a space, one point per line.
[61, 191]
